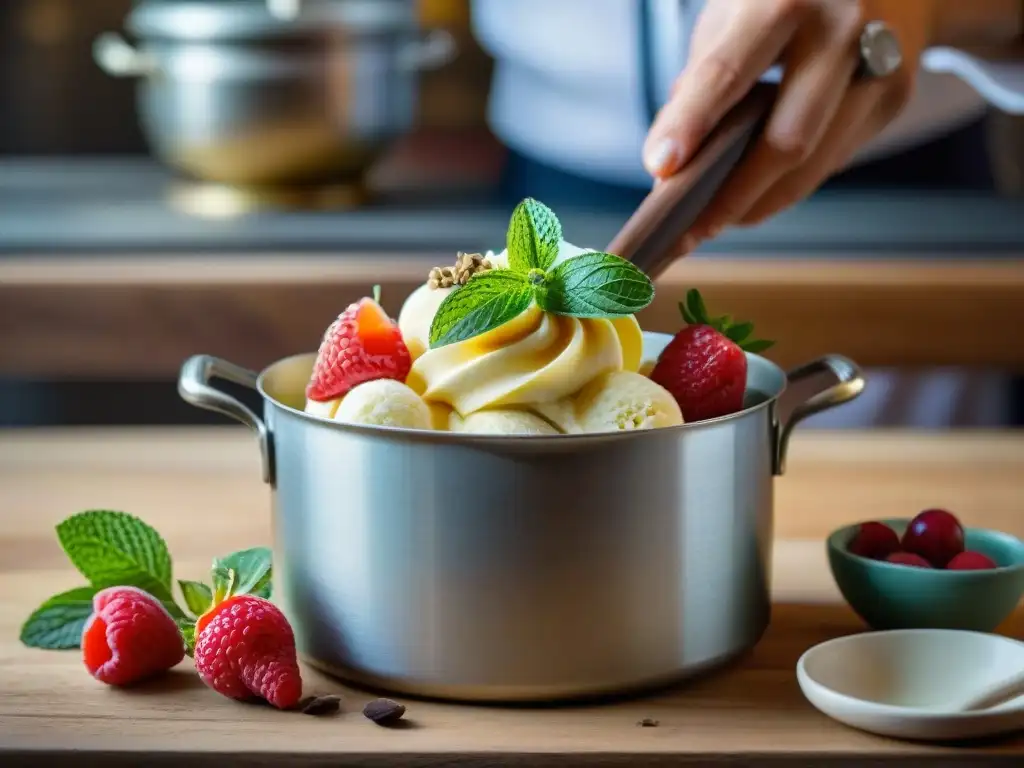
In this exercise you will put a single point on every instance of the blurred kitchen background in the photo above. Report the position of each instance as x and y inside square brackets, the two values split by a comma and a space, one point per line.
[156, 202]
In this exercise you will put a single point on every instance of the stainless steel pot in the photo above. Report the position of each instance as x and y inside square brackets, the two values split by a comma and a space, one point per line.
[520, 568]
[232, 92]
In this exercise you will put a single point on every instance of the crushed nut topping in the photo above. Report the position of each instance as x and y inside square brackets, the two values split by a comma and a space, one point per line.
[466, 265]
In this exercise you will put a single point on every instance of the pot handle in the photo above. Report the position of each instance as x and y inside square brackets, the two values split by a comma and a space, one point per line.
[118, 58]
[432, 52]
[195, 388]
[850, 384]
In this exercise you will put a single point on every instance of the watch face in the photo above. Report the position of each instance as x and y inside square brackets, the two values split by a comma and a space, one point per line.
[880, 50]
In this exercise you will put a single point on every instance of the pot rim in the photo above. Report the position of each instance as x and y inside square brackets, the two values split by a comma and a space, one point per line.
[197, 372]
[216, 20]
[462, 438]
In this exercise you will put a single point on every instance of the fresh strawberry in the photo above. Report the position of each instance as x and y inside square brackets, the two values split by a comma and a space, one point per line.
[245, 649]
[361, 345]
[129, 636]
[704, 366]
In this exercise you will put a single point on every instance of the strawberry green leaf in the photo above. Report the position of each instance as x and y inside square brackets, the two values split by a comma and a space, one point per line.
[263, 588]
[224, 580]
[755, 347]
[695, 312]
[58, 623]
[695, 303]
[198, 597]
[252, 569]
[188, 635]
[115, 548]
[534, 236]
[488, 300]
[596, 285]
[739, 332]
[687, 317]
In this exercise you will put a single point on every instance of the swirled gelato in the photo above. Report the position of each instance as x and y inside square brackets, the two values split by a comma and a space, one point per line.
[538, 339]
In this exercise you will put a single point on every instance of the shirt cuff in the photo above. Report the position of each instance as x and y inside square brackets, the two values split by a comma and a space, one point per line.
[999, 80]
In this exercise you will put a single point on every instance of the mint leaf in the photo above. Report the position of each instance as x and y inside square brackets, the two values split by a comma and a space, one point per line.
[115, 548]
[534, 235]
[251, 567]
[58, 623]
[198, 596]
[596, 285]
[488, 300]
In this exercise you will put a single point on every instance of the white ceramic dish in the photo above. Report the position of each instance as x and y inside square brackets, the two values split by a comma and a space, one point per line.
[908, 683]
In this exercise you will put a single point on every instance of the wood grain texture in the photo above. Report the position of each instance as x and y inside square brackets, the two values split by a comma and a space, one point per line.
[141, 317]
[201, 489]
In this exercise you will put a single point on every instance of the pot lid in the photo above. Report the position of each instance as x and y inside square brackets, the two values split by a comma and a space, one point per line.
[208, 20]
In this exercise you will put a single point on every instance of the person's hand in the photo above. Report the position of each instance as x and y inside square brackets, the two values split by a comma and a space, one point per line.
[822, 115]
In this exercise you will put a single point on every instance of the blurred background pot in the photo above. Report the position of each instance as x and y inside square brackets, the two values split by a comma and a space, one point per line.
[259, 93]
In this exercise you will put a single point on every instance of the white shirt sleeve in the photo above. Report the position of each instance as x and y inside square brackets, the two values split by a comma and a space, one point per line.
[999, 80]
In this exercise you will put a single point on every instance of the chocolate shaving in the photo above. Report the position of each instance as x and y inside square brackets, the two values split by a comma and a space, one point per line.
[384, 711]
[320, 705]
[648, 722]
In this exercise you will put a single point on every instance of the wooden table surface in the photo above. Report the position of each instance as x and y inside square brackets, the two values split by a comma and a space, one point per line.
[201, 489]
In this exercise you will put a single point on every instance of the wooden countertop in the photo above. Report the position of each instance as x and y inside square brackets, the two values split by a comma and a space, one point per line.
[58, 314]
[200, 488]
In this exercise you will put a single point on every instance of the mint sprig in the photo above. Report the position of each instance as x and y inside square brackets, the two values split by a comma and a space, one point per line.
[695, 312]
[590, 285]
[112, 548]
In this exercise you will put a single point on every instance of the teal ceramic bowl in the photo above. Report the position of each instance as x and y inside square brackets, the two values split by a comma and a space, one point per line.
[889, 596]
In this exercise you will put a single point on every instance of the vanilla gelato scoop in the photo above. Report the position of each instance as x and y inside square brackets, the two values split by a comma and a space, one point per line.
[501, 422]
[625, 400]
[384, 403]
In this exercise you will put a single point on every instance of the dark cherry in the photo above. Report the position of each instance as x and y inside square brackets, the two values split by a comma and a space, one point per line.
[970, 560]
[936, 535]
[908, 558]
[874, 540]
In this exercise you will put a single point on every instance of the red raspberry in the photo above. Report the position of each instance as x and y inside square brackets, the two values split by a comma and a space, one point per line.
[245, 648]
[363, 344]
[704, 367]
[129, 636]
